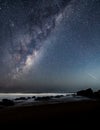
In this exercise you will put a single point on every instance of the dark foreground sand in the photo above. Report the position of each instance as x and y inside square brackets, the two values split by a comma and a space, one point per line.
[71, 114]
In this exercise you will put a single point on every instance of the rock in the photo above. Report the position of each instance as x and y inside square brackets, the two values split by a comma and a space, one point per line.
[86, 93]
[21, 98]
[7, 102]
[97, 94]
[43, 98]
[33, 97]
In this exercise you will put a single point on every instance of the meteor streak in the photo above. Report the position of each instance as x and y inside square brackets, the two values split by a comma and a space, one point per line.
[92, 76]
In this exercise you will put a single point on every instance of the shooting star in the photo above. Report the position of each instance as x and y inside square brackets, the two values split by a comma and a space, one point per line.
[92, 76]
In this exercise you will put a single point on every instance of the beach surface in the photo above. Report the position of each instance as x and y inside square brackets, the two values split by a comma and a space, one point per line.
[67, 114]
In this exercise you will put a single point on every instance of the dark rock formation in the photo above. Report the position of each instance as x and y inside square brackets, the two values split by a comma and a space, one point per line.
[21, 98]
[43, 98]
[89, 93]
[86, 93]
[7, 102]
[58, 96]
[97, 94]
[33, 97]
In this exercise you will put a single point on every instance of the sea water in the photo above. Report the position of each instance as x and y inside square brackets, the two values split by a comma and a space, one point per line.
[13, 96]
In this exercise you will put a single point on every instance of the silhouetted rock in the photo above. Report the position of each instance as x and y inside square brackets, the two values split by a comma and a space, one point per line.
[97, 94]
[33, 97]
[21, 98]
[28, 97]
[7, 102]
[86, 93]
[59, 96]
[1, 103]
[43, 98]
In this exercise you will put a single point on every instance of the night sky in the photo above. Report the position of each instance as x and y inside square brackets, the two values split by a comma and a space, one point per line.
[49, 45]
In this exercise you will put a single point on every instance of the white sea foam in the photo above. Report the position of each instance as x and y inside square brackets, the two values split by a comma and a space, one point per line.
[18, 95]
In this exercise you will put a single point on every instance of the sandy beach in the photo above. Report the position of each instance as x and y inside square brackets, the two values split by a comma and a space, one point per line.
[69, 114]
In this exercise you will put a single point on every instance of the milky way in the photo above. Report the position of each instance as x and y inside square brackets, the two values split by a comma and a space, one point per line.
[24, 42]
[47, 43]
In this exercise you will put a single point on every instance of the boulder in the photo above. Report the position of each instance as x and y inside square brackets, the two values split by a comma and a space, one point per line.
[86, 93]
[7, 102]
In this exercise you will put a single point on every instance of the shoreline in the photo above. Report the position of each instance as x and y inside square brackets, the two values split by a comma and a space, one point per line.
[80, 110]
[72, 112]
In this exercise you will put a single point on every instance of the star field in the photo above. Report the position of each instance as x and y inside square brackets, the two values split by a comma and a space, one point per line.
[49, 45]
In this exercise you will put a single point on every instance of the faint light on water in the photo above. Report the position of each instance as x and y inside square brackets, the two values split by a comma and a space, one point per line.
[17, 95]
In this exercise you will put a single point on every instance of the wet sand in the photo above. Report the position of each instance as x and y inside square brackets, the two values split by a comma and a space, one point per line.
[69, 114]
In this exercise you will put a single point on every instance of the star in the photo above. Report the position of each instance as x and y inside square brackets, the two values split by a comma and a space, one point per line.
[44, 44]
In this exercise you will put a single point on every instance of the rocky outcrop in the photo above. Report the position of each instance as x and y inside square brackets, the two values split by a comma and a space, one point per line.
[89, 93]
[86, 93]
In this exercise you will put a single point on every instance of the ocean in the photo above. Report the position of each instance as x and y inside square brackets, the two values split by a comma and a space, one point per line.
[40, 98]
[13, 96]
